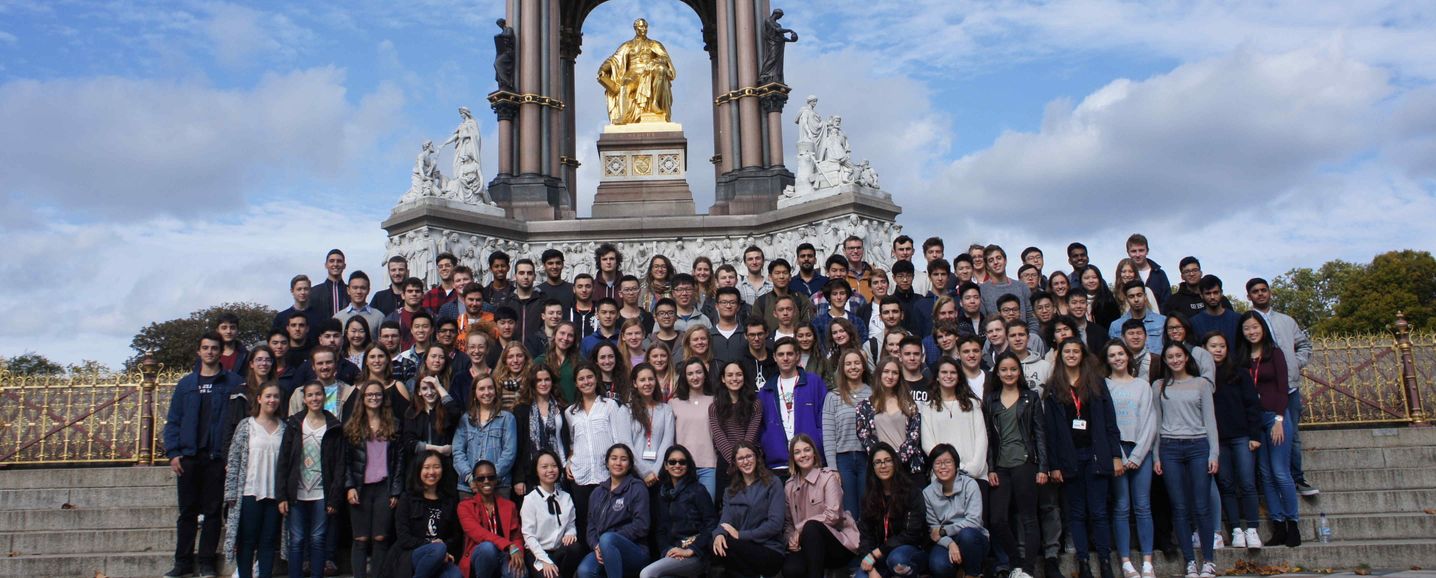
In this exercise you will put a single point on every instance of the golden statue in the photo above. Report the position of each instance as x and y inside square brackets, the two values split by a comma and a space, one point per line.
[638, 80]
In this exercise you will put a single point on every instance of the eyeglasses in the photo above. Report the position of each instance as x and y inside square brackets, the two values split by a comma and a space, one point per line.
[883, 462]
[666, 313]
[373, 396]
[747, 458]
[485, 478]
[678, 462]
[727, 303]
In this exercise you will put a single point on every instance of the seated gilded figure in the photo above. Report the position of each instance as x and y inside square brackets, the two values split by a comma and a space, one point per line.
[638, 80]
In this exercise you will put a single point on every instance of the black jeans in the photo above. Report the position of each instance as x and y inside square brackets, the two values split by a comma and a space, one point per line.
[748, 558]
[818, 550]
[565, 557]
[1015, 487]
[201, 491]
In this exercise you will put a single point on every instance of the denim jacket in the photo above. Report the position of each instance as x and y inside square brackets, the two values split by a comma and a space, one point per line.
[496, 441]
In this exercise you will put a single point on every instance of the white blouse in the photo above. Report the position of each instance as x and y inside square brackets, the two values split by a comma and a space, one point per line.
[593, 432]
[263, 456]
[542, 529]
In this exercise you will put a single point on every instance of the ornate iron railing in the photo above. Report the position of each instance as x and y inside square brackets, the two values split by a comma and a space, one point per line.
[1369, 379]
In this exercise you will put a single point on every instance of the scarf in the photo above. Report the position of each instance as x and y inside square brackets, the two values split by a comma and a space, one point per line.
[544, 432]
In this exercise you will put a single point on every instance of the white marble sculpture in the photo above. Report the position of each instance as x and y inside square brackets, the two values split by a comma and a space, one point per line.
[465, 188]
[425, 180]
[825, 161]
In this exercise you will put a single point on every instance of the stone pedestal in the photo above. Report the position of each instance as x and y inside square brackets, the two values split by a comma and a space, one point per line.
[644, 170]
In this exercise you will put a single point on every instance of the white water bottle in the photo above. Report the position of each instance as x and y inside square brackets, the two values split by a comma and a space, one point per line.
[1323, 530]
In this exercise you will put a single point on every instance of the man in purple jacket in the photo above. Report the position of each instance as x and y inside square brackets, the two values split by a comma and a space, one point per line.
[792, 405]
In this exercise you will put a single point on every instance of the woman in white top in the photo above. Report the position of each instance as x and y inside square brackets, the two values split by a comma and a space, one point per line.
[594, 422]
[650, 425]
[548, 522]
[249, 485]
[954, 416]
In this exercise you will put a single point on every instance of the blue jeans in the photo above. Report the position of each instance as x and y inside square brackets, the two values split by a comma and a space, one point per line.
[1133, 491]
[1274, 463]
[971, 542]
[621, 557]
[910, 556]
[258, 530]
[1184, 469]
[307, 523]
[853, 469]
[709, 478]
[1086, 494]
[486, 561]
[428, 562]
[1295, 407]
[1237, 480]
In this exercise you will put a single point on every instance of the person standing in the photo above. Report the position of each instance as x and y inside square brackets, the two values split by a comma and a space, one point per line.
[372, 477]
[1017, 453]
[193, 437]
[252, 527]
[1086, 451]
[1259, 356]
[1137, 424]
[309, 479]
[331, 296]
[388, 299]
[1187, 452]
[1296, 346]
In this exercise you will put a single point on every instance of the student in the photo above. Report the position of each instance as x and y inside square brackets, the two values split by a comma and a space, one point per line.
[954, 515]
[252, 526]
[924, 309]
[447, 290]
[1078, 310]
[704, 283]
[842, 449]
[726, 335]
[561, 357]
[932, 249]
[582, 313]
[695, 343]
[727, 276]
[792, 405]
[387, 300]
[493, 545]
[1009, 310]
[1137, 423]
[943, 339]
[685, 517]
[324, 362]
[890, 317]
[820, 534]
[301, 291]
[755, 284]
[650, 424]
[407, 363]
[1187, 451]
[808, 281]
[914, 371]
[891, 416]
[300, 338]
[1017, 455]
[685, 304]
[358, 306]
[842, 337]
[628, 292]
[903, 293]
[308, 490]
[1152, 274]
[549, 530]
[692, 404]
[378, 366]
[618, 517]
[193, 441]
[892, 539]
[372, 476]
[759, 361]
[1127, 273]
[1101, 301]
[954, 416]
[514, 368]
[608, 264]
[868, 310]
[1177, 328]
[1295, 345]
[427, 522]
[810, 358]
[1239, 430]
[538, 416]
[734, 419]
[551, 314]
[356, 340]
[330, 296]
[837, 293]
[665, 316]
[1086, 451]
[748, 539]
[1034, 367]
[259, 370]
[1187, 299]
[1060, 287]
[430, 422]
[859, 271]
[657, 282]
[607, 318]
[1000, 284]
[1134, 294]
[526, 300]
[500, 289]
[595, 422]
[1032, 257]
[970, 317]
[969, 354]
[486, 432]
[233, 355]
[1217, 315]
[1258, 355]
[784, 322]
[554, 286]
[630, 344]
[612, 380]
[412, 305]
[1078, 259]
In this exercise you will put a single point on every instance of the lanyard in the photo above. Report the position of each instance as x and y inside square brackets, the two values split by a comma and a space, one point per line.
[1077, 402]
[1255, 368]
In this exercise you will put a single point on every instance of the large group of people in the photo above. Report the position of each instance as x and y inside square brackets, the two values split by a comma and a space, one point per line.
[762, 417]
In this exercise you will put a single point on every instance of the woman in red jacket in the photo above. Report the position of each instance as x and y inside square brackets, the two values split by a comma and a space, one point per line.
[493, 546]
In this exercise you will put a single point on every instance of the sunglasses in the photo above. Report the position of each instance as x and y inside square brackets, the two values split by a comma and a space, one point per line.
[485, 478]
[677, 462]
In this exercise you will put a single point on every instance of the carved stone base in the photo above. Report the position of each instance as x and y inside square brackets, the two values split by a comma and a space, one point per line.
[750, 191]
[476, 208]
[790, 197]
[531, 197]
[643, 174]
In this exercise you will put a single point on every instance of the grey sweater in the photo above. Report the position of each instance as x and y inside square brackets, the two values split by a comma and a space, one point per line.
[954, 513]
[1185, 411]
[840, 425]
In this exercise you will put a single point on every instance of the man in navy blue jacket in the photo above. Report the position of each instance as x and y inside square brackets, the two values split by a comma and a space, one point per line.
[192, 437]
[1150, 272]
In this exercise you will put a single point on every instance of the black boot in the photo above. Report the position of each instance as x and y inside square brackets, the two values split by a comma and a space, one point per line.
[1278, 533]
[1050, 568]
[1104, 567]
[1084, 569]
[1293, 534]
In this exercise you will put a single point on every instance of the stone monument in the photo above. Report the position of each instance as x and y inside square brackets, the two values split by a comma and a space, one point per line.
[825, 161]
[644, 154]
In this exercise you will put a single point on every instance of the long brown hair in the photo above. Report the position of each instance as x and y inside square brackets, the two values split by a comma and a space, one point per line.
[961, 390]
[502, 372]
[842, 386]
[258, 391]
[418, 406]
[900, 393]
[552, 353]
[1089, 385]
[529, 393]
[356, 428]
[763, 475]
[388, 366]
[637, 403]
[688, 334]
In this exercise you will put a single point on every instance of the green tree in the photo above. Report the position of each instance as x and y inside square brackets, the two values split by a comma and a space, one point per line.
[88, 367]
[174, 342]
[1310, 295]
[1395, 281]
[33, 365]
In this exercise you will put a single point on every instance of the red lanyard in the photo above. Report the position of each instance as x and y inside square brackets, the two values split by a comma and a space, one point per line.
[1077, 402]
[1255, 368]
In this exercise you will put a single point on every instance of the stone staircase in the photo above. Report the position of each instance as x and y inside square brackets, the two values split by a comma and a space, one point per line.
[1376, 485]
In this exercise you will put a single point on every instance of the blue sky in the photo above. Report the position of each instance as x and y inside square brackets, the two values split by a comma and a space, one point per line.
[180, 154]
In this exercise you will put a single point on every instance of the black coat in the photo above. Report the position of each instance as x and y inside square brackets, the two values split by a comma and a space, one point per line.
[1101, 422]
[419, 428]
[685, 511]
[1238, 408]
[907, 530]
[291, 456]
[356, 460]
[1033, 421]
[523, 472]
[411, 527]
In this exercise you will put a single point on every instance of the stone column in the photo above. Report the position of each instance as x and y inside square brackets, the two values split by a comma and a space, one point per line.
[773, 108]
[506, 111]
[570, 43]
[749, 121]
[530, 80]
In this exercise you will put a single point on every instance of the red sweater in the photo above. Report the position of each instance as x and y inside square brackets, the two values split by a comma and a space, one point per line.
[478, 527]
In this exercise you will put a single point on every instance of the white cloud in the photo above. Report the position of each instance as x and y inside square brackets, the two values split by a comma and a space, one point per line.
[242, 36]
[122, 276]
[123, 148]
[8, 39]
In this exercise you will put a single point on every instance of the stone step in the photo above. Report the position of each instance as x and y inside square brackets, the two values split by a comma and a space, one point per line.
[1360, 526]
[86, 478]
[119, 540]
[1367, 438]
[159, 517]
[93, 498]
[1311, 557]
[1331, 481]
[129, 565]
[1370, 502]
[1366, 458]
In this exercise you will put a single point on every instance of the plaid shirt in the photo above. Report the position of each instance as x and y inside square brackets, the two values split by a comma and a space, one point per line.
[437, 297]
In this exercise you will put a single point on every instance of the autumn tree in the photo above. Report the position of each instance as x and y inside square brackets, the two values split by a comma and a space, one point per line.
[174, 342]
[1396, 281]
[1310, 295]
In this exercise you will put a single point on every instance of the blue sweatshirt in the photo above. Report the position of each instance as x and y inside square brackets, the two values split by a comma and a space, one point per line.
[624, 511]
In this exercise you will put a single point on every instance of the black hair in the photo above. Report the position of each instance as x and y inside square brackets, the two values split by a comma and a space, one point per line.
[497, 256]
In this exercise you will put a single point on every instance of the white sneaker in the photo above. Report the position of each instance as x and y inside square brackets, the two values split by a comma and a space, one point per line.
[1148, 571]
[1239, 538]
[1018, 573]
[1192, 569]
[1209, 570]
[1218, 542]
[1129, 571]
[1253, 540]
